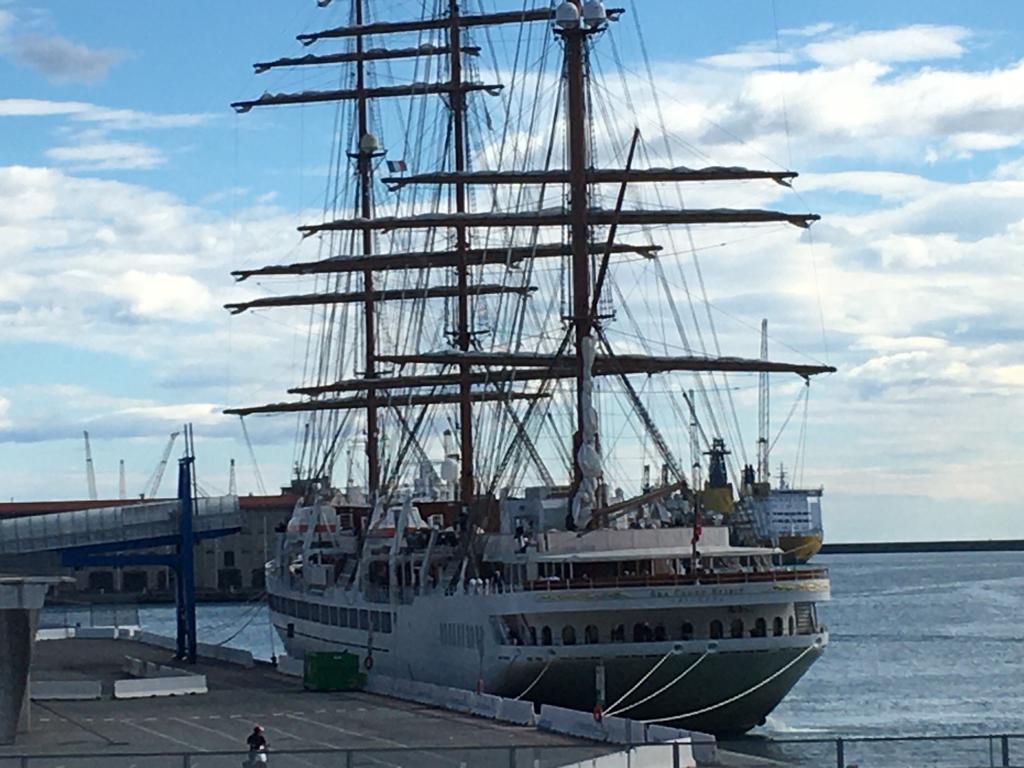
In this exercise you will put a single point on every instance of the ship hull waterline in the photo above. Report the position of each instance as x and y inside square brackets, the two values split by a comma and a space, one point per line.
[756, 673]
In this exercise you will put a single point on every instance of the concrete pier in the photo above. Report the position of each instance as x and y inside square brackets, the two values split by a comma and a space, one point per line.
[21, 597]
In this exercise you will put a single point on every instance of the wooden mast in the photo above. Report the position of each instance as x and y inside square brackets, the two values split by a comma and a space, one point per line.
[575, 68]
[365, 162]
[457, 104]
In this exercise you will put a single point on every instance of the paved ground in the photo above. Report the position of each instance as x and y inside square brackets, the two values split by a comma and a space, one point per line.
[293, 719]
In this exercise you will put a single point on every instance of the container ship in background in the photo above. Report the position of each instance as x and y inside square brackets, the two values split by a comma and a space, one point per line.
[466, 305]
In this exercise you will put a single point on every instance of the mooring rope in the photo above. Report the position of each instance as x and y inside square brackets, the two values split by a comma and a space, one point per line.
[665, 687]
[535, 681]
[640, 682]
[738, 696]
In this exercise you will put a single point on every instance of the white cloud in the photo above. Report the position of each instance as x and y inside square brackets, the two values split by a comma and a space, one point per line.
[752, 58]
[108, 155]
[61, 59]
[159, 295]
[920, 42]
[106, 117]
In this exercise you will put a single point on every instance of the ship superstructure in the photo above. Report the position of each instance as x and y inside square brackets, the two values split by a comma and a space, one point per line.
[470, 301]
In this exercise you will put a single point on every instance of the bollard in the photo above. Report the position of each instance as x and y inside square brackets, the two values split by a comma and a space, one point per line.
[840, 754]
[1005, 744]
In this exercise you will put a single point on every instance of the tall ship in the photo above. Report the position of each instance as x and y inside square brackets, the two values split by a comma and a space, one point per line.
[472, 514]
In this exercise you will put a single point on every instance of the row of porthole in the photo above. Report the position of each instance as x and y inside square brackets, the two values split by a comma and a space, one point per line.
[643, 632]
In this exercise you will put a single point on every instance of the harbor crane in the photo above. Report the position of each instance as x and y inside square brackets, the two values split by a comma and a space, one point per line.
[153, 485]
[90, 471]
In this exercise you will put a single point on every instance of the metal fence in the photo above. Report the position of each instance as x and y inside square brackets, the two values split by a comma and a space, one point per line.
[604, 756]
[55, 617]
[974, 751]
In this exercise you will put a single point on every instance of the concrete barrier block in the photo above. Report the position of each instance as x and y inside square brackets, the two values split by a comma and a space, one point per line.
[486, 705]
[127, 633]
[160, 686]
[571, 722]
[223, 653]
[421, 693]
[292, 667]
[703, 744]
[149, 638]
[518, 712]
[55, 633]
[382, 685]
[621, 730]
[96, 633]
[65, 690]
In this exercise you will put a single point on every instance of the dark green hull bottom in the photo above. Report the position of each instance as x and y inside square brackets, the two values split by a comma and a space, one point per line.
[717, 679]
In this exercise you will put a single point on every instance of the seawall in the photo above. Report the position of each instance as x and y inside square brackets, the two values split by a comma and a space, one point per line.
[882, 547]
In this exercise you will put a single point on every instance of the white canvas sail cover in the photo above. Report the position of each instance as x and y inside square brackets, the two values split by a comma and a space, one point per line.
[588, 458]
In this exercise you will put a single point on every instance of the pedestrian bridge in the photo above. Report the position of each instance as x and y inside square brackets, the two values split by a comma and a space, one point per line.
[131, 526]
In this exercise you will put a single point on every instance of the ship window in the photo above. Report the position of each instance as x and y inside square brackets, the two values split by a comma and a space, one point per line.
[590, 635]
[687, 633]
[642, 632]
[342, 617]
[353, 618]
[364, 619]
[533, 635]
[791, 625]
[659, 633]
[736, 628]
[568, 635]
[545, 636]
[325, 614]
[385, 623]
[777, 626]
[716, 629]
[619, 634]
[760, 628]
[375, 621]
[303, 610]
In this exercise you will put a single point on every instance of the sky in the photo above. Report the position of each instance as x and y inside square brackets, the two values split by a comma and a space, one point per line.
[129, 190]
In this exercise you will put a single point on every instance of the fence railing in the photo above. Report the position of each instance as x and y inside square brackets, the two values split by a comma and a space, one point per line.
[601, 756]
[940, 751]
[54, 617]
[972, 751]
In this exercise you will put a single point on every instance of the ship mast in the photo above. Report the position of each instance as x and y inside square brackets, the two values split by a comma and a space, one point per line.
[586, 461]
[486, 376]
[462, 332]
[365, 154]
[762, 410]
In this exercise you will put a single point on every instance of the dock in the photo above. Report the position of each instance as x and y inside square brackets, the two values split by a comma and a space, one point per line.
[303, 728]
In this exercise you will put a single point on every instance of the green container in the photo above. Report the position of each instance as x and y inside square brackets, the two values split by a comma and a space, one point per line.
[328, 671]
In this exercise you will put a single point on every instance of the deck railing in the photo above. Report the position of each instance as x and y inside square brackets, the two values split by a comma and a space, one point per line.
[676, 580]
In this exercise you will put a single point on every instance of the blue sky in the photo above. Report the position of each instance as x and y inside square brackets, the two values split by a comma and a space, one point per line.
[129, 190]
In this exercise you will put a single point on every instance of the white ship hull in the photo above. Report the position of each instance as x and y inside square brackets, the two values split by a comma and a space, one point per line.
[456, 640]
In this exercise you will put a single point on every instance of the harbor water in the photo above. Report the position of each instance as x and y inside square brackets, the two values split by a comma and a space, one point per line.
[920, 644]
